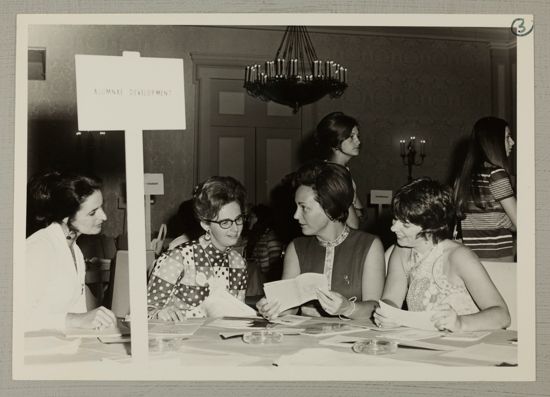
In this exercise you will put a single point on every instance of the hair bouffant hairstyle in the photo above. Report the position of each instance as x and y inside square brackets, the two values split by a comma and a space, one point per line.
[331, 131]
[215, 192]
[428, 204]
[332, 185]
[54, 196]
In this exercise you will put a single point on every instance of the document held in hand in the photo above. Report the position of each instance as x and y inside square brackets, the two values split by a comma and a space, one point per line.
[296, 291]
[418, 320]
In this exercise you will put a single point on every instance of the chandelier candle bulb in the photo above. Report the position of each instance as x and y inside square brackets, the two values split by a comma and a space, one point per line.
[402, 146]
[422, 143]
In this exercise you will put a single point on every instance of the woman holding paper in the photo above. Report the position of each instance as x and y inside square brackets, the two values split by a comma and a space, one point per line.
[351, 260]
[337, 138]
[67, 206]
[186, 275]
[434, 273]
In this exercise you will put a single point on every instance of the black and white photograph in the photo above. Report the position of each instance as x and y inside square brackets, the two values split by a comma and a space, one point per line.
[252, 196]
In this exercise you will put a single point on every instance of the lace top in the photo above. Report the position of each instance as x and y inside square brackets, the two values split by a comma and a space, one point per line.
[429, 285]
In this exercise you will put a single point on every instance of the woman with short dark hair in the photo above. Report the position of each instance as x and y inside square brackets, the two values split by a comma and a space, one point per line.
[183, 277]
[67, 206]
[351, 260]
[337, 139]
[433, 272]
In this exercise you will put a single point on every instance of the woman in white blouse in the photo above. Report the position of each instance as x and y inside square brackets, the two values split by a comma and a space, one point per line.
[67, 206]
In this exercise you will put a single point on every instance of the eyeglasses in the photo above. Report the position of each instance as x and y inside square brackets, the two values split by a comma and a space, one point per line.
[227, 223]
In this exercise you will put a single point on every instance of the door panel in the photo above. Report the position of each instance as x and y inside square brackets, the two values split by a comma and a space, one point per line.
[242, 136]
[277, 156]
[231, 155]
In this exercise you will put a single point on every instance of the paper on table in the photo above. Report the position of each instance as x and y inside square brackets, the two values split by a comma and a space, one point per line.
[418, 320]
[94, 333]
[408, 334]
[158, 328]
[346, 341]
[221, 303]
[290, 319]
[332, 328]
[332, 358]
[466, 336]
[46, 345]
[296, 291]
[240, 323]
[486, 352]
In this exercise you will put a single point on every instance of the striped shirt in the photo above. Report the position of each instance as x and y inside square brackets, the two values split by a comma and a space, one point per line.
[487, 230]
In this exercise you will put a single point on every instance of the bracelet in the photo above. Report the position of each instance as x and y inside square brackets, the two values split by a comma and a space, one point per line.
[353, 307]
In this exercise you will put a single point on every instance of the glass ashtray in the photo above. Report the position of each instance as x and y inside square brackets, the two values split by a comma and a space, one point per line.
[262, 337]
[375, 346]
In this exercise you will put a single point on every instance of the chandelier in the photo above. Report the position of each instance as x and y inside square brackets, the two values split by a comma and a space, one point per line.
[296, 77]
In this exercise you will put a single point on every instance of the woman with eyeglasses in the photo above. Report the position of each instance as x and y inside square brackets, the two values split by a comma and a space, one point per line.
[183, 277]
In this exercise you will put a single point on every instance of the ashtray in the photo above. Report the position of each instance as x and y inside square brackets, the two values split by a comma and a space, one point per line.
[262, 337]
[375, 346]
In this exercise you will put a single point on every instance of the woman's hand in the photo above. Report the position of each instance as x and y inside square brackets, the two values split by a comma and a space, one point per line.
[170, 313]
[446, 318]
[98, 318]
[381, 320]
[268, 309]
[334, 303]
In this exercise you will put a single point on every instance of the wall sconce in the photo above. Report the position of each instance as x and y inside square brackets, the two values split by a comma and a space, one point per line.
[408, 154]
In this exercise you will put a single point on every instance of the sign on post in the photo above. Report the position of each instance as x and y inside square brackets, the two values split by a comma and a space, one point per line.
[133, 94]
[115, 93]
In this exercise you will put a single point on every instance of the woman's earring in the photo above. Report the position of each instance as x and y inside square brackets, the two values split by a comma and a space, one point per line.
[207, 236]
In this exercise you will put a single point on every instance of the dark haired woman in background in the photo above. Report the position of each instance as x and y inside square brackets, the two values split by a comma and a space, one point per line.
[433, 272]
[184, 276]
[337, 138]
[484, 197]
[67, 206]
[351, 260]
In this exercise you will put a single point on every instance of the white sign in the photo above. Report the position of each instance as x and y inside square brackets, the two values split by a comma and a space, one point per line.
[380, 197]
[154, 184]
[125, 92]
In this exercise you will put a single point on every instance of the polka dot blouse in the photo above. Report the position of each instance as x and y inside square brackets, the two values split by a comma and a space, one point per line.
[181, 277]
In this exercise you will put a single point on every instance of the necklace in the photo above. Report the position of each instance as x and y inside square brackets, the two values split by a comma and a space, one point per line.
[329, 253]
[337, 240]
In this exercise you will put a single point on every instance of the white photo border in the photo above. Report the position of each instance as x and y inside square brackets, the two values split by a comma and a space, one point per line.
[146, 371]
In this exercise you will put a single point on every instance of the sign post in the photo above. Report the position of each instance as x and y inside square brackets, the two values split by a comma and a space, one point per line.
[133, 94]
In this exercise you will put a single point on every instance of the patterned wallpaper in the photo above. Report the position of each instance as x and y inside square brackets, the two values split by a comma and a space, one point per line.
[399, 86]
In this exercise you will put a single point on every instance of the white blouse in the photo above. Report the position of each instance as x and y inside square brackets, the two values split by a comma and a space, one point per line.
[54, 286]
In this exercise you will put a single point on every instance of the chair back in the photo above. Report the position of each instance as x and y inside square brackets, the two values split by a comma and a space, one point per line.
[504, 277]
[120, 282]
[97, 281]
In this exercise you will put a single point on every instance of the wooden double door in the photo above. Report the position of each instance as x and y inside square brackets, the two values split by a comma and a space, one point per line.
[241, 136]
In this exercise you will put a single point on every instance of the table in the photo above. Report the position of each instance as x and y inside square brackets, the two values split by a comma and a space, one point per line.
[206, 347]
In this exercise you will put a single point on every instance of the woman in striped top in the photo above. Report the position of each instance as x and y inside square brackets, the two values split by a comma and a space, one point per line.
[484, 197]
